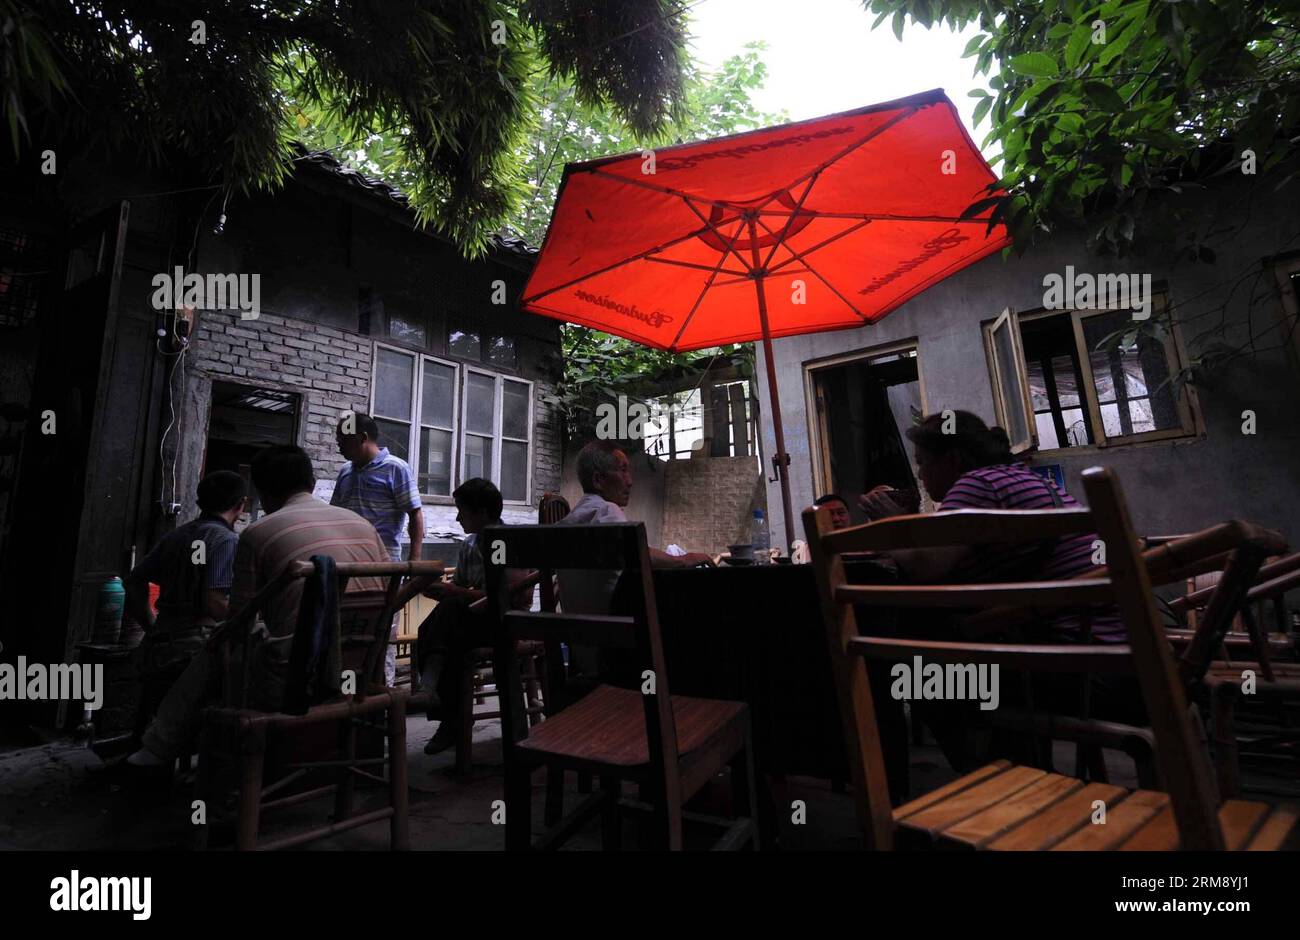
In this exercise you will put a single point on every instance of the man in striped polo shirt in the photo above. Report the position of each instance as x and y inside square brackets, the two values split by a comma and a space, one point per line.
[380, 488]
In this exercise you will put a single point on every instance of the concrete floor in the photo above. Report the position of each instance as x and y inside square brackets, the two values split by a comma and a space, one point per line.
[48, 801]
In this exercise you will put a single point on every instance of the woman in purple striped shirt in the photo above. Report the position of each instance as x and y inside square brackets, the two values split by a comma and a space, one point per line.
[963, 464]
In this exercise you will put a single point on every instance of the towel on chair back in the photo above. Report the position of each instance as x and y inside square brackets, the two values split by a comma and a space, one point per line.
[315, 662]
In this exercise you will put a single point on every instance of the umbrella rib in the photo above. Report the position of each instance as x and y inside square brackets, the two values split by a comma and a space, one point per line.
[901, 116]
[822, 244]
[714, 228]
[707, 284]
[701, 267]
[636, 257]
[814, 271]
[790, 220]
[666, 190]
[872, 217]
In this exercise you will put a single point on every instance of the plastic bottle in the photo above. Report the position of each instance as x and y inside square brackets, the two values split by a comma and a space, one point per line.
[108, 616]
[760, 539]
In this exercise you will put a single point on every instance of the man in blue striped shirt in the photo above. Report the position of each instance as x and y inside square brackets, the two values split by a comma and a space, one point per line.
[381, 489]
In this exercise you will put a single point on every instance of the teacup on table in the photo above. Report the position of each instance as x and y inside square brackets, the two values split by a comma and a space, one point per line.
[740, 555]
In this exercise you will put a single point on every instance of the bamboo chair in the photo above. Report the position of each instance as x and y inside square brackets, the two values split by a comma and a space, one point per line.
[670, 745]
[302, 744]
[1002, 806]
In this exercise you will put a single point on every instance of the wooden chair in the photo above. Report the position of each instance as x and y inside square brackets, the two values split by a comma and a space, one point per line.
[326, 738]
[1002, 806]
[478, 682]
[669, 745]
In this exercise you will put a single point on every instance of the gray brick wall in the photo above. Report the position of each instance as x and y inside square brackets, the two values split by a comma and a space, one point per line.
[708, 502]
[331, 370]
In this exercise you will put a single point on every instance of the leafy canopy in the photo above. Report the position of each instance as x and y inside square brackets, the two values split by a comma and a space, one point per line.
[456, 76]
[1099, 106]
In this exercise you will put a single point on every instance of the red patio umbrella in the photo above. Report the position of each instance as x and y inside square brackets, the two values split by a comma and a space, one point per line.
[824, 224]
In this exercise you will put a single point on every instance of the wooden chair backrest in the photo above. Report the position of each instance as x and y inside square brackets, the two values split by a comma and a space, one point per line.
[552, 508]
[606, 547]
[1127, 584]
[365, 617]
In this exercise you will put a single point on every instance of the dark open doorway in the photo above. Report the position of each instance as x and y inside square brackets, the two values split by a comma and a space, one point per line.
[863, 408]
[245, 419]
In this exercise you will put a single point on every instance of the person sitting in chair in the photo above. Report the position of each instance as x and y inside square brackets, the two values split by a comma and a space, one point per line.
[840, 517]
[296, 527]
[448, 634]
[193, 566]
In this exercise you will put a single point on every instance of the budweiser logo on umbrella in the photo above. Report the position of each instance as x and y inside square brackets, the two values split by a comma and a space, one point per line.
[824, 224]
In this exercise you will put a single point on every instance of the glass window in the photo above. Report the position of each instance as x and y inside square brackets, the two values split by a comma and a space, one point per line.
[1131, 382]
[1011, 388]
[464, 341]
[478, 457]
[514, 410]
[406, 329]
[480, 395]
[514, 470]
[393, 378]
[501, 352]
[396, 436]
[438, 401]
[435, 462]
[437, 431]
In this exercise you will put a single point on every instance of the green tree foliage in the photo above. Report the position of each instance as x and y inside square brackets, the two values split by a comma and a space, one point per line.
[1099, 106]
[456, 76]
[1108, 113]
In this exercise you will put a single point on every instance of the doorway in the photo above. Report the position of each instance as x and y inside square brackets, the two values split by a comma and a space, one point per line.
[243, 420]
[863, 407]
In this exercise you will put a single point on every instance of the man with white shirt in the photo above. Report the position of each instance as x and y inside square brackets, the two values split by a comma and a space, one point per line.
[606, 477]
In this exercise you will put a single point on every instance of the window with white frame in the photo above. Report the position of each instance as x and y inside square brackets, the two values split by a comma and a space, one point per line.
[498, 420]
[1061, 380]
[439, 417]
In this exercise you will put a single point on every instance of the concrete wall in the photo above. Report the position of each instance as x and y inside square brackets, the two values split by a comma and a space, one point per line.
[1171, 486]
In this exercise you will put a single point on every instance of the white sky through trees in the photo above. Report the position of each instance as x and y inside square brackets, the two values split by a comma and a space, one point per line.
[823, 56]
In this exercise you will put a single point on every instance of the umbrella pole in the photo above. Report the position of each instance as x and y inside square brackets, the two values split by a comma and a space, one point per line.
[781, 459]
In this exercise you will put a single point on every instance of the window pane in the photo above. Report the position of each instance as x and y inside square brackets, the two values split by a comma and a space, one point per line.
[438, 395]
[1037, 386]
[1066, 387]
[478, 457]
[480, 393]
[1122, 374]
[396, 436]
[514, 410]
[1075, 430]
[1046, 430]
[1012, 390]
[393, 384]
[501, 351]
[406, 329]
[435, 462]
[514, 470]
[462, 341]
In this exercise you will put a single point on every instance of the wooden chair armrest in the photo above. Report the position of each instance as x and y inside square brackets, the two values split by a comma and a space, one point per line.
[1114, 659]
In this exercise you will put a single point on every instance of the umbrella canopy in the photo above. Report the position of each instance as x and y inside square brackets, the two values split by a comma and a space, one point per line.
[819, 225]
